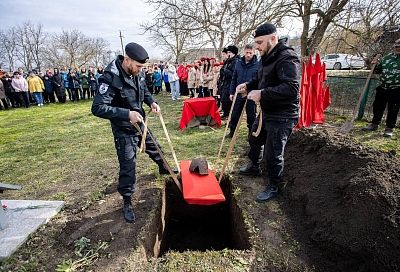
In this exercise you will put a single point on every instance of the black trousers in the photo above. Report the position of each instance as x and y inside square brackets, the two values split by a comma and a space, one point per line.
[157, 89]
[126, 151]
[5, 104]
[61, 99]
[85, 91]
[273, 138]
[237, 110]
[383, 97]
[22, 98]
[167, 87]
[183, 87]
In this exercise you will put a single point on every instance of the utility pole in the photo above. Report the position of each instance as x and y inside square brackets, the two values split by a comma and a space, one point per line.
[122, 45]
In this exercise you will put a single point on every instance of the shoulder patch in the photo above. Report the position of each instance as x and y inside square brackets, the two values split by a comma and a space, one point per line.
[103, 88]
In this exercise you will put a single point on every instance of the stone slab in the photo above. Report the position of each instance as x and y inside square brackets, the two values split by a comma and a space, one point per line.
[23, 217]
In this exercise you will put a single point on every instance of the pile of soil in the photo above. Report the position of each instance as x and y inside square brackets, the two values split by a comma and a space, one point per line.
[343, 201]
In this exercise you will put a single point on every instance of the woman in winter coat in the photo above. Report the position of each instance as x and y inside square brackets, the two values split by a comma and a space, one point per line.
[74, 85]
[36, 87]
[206, 78]
[84, 80]
[173, 81]
[20, 86]
[58, 86]
[3, 102]
[157, 80]
[92, 83]
[192, 80]
[48, 86]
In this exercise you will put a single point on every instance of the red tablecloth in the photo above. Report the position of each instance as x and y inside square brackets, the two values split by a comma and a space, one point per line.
[193, 107]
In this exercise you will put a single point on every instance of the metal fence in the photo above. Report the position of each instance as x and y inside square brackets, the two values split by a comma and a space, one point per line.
[345, 92]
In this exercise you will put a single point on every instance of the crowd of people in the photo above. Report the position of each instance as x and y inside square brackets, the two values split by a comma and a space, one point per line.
[20, 89]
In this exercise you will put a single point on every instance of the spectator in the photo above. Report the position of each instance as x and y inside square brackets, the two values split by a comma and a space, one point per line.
[84, 79]
[166, 80]
[157, 80]
[9, 91]
[36, 87]
[48, 86]
[92, 82]
[64, 76]
[183, 78]
[20, 86]
[74, 85]
[192, 80]
[149, 80]
[388, 93]
[173, 81]
[58, 86]
[3, 101]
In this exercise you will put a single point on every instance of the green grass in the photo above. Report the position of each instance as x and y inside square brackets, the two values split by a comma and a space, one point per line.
[373, 139]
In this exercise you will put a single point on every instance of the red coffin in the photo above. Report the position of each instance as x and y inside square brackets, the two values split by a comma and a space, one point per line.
[200, 189]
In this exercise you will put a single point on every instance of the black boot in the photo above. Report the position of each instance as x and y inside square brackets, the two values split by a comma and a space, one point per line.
[129, 215]
[251, 169]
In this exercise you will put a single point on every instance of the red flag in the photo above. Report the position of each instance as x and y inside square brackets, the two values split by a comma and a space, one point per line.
[327, 98]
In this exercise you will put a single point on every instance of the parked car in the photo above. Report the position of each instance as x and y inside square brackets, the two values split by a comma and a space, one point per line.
[343, 61]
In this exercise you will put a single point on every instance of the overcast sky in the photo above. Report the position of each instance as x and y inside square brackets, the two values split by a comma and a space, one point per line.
[95, 18]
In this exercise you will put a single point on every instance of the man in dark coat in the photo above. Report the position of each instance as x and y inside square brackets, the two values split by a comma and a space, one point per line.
[276, 88]
[245, 70]
[120, 98]
[229, 68]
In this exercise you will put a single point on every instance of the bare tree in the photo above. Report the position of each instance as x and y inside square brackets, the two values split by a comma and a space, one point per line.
[23, 50]
[8, 45]
[365, 28]
[325, 12]
[219, 22]
[78, 49]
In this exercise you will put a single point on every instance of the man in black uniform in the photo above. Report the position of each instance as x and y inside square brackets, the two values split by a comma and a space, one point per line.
[120, 97]
[276, 87]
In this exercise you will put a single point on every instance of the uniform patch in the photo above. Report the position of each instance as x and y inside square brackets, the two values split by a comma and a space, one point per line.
[103, 88]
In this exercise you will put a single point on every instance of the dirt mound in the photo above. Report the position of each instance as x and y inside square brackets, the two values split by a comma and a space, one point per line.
[343, 201]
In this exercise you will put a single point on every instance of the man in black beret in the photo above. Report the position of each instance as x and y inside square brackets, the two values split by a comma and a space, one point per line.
[276, 88]
[120, 97]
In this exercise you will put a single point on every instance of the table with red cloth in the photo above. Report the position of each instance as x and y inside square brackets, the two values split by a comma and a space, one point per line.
[199, 107]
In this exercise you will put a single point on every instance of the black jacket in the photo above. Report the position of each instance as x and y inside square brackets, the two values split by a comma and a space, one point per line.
[117, 95]
[228, 73]
[278, 79]
[58, 85]
[244, 72]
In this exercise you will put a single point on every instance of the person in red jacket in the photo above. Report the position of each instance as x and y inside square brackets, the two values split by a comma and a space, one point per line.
[183, 78]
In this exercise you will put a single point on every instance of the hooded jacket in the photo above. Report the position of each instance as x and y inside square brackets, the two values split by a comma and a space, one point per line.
[117, 95]
[244, 72]
[278, 79]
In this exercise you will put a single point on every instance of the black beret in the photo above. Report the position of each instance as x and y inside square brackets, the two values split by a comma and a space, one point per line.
[136, 52]
[233, 49]
[265, 29]
[225, 50]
